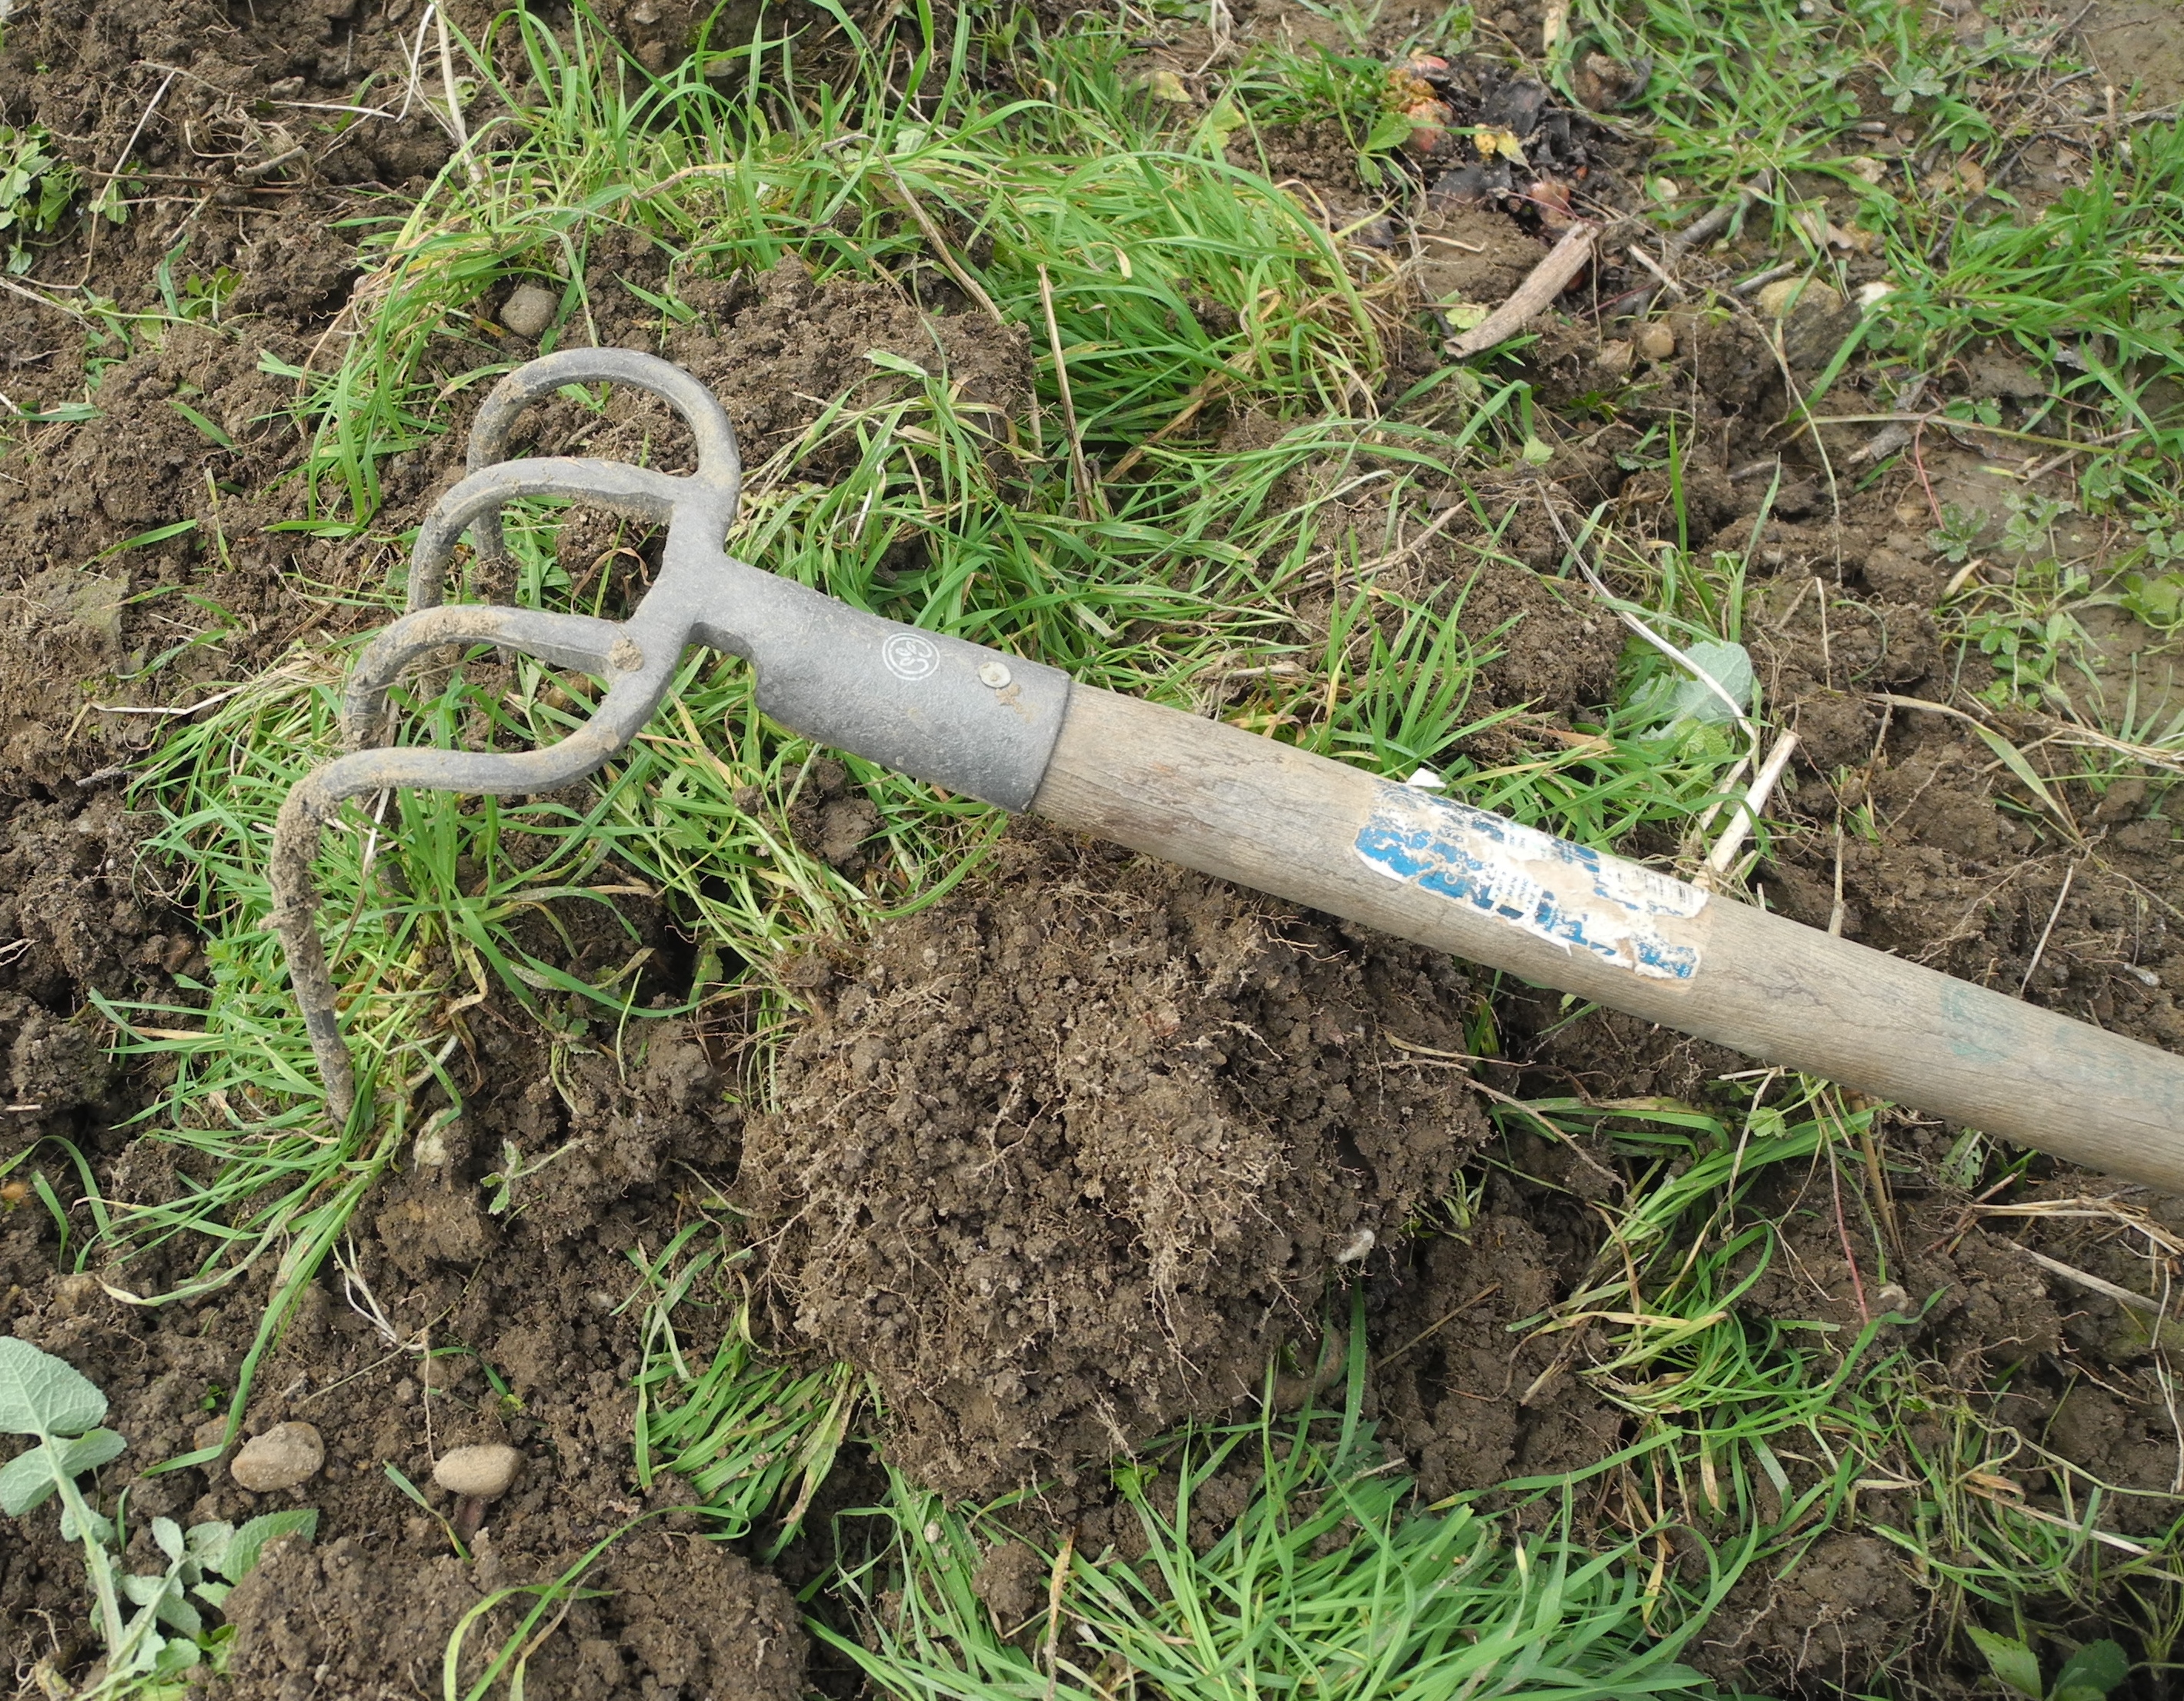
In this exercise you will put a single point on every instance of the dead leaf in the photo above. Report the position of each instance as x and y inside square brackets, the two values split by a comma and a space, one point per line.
[1166, 86]
[1492, 139]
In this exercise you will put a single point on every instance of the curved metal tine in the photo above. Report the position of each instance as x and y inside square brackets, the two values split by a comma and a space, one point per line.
[636, 679]
[561, 640]
[720, 467]
[312, 801]
[475, 504]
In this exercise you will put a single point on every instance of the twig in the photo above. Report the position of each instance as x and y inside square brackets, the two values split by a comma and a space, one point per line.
[968, 284]
[1615, 604]
[29, 294]
[1548, 279]
[151, 106]
[1439, 1324]
[1654, 266]
[1759, 280]
[2040, 949]
[1842, 1230]
[2092, 1284]
[1680, 243]
[1054, 1582]
[1731, 842]
[455, 102]
[1085, 492]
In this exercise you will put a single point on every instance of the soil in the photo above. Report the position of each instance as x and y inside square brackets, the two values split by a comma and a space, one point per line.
[1068, 1157]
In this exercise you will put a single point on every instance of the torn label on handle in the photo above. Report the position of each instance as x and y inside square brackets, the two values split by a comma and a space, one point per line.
[1563, 893]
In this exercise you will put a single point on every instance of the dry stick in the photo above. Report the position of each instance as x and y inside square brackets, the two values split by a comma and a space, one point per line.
[151, 106]
[1207, 388]
[2040, 949]
[1701, 229]
[1548, 279]
[1837, 911]
[1876, 1173]
[968, 284]
[29, 294]
[1724, 854]
[1436, 1326]
[2092, 1284]
[1076, 467]
[455, 102]
[1614, 604]
[1061, 1575]
[1843, 1232]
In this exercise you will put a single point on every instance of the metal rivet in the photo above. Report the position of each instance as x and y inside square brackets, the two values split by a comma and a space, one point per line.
[994, 673]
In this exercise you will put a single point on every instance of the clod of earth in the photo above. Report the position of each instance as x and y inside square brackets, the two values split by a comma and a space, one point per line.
[478, 1472]
[1656, 343]
[529, 309]
[284, 1456]
[1784, 294]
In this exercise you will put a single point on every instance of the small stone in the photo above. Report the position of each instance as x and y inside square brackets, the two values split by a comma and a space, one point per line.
[284, 1456]
[1785, 293]
[1657, 341]
[529, 309]
[478, 1472]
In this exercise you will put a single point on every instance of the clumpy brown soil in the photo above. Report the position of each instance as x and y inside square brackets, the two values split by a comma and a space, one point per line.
[675, 1615]
[391, 1355]
[1070, 1153]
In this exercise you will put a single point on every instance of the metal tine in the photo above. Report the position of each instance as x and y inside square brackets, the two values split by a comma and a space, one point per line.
[636, 657]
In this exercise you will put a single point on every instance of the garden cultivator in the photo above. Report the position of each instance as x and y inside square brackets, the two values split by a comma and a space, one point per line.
[1021, 735]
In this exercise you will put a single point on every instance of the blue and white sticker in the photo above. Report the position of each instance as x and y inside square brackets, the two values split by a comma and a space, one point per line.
[1572, 897]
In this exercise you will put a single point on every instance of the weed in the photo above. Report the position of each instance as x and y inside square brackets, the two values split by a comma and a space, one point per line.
[2090, 1673]
[742, 1431]
[167, 1635]
[36, 187]
[1333, 1578]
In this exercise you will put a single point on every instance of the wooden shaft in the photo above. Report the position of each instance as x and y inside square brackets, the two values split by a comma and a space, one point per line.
[1265, 815]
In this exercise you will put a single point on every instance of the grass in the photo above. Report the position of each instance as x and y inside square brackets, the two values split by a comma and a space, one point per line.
[1332, 1582]
[1161, 287]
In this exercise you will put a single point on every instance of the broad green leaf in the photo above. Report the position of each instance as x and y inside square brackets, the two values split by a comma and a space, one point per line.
[100, 1530]
[1730, 664]
[1390, 129]
[178, 1656]
[247, 1544]
[40, 1395]
[89, 1451]
[25, 1481]
[2092, 1672]
[167, 1535]
[2011, 1660]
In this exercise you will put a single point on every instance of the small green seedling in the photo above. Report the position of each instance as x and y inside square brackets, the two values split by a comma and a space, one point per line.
[2088, 1675]
[35, 186]
[44, 1397]
[513, 1169]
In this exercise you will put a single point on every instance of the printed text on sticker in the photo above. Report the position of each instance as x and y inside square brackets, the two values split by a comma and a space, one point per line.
[1577, 898]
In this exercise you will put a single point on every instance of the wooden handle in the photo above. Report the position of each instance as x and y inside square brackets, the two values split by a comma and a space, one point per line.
[1265, 815]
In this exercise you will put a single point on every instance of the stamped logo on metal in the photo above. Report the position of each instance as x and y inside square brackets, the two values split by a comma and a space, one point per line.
[910, 657]
[1578, 899]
